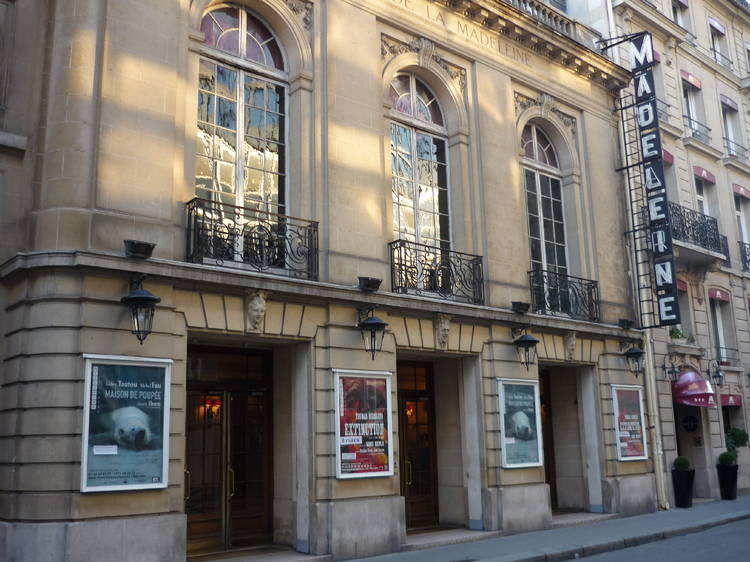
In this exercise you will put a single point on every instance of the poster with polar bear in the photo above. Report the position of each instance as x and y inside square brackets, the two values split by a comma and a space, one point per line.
[126, 424]
[520, 423]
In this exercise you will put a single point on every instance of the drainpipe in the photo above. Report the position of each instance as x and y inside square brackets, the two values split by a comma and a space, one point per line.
[649, 376]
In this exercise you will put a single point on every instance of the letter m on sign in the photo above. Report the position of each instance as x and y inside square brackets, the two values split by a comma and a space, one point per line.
[643, 52]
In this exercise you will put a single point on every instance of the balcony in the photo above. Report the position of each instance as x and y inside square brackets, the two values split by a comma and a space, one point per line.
[696, 129]
[564, 295]
[542, 12]
[662, 110]
[728, 356]
[247, 238]
[745, 255]
[425, 270]
[735, 150]
[701, 242]
[721, 58]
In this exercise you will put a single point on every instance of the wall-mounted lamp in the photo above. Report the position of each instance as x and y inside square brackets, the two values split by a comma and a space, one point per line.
[368, 284]
[714, 373]
[142, 305]
[520, 307]
[670, 367]
[634, 356]
[373, 330]
[525, 347]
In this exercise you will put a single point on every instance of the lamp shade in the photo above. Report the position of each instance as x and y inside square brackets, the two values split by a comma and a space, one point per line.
[526, 349]
[373, 333]
[634, 356]
[142, 305]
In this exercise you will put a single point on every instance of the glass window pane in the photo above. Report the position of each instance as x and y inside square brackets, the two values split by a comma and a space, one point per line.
[206, 107]
[226, 145]
[226, 176]
[226, 82]
[254, 122]
[205, 142]
[207, 75]
[254, 154]
[226, 114]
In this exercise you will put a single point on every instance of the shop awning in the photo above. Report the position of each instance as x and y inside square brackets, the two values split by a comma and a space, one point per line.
[731, 399]
[692, 389]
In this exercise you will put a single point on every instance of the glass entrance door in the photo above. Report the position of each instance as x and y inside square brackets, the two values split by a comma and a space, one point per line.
[228, 452]
[417, 443]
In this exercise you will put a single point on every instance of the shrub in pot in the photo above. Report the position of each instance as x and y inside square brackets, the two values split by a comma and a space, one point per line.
[682, 482]
[727, 470]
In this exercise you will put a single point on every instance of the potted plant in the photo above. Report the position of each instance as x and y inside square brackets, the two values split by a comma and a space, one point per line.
[682, 482]
[676, 335]
[727, 470]
[736, 437]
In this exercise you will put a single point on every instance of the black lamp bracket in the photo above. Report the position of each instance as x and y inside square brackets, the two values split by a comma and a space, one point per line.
[627, 344]
[136, 282]
[519, 331]
[366, 311]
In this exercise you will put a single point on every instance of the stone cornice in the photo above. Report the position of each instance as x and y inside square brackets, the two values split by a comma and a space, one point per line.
[206, 277]
[551, 34]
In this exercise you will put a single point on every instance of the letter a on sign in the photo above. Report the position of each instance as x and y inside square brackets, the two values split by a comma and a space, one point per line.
[642, 51]
[644, 86]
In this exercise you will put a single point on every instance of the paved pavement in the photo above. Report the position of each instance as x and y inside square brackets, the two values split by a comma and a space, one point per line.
[585, 540]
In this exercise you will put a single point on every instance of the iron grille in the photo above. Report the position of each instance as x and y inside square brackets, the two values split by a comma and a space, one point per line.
[735, 149]
[421, 269]
[697, 130]
[721, 58]
[231, 235]
[727, 355]
[745, 255]
[695, 228]
[725, 250]
[556, 293]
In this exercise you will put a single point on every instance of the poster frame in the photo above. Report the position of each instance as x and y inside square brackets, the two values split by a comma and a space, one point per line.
[95, 359]
[537, 407]
[616, 414]
[338, 374]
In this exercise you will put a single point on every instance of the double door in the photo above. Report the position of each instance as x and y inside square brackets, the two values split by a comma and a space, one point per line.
[228, 472]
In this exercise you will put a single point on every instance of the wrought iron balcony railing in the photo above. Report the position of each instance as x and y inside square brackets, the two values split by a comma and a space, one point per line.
[745, 255]
[721, 58]
[695, 228]
[426, 270]
[725, 250]
[241, 236]
[696, 129]
[735, 149]
[556, 293]
[727, 355]
[662, 110]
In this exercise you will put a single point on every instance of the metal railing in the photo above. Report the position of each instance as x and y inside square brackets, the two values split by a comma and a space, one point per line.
[231, 235]
[725, 250]
[727, 355]
[695, 228]
[735, 149]
[696, 129]
[662, 110]
[421, 269]
[556, 293]
[545, 14]
[744, 255]
[721, 58]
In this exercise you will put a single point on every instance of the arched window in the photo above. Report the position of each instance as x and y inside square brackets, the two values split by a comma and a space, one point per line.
[241, 113]
[418, 164]
[544, 202]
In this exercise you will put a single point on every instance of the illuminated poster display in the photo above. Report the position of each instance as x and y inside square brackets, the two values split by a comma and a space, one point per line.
[125, 441]
[629, 423]
[363, 424]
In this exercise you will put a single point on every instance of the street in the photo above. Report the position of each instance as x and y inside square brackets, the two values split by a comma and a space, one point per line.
[725, 542]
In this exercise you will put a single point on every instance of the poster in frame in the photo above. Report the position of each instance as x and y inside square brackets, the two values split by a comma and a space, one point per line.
[520, 423]
[364, 424]
[629, 422]
[125, 437]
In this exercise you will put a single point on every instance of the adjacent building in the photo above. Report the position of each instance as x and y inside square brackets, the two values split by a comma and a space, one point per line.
[274, 159]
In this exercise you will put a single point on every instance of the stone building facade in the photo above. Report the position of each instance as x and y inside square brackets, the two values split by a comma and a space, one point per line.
[274, 151]
[702, 90]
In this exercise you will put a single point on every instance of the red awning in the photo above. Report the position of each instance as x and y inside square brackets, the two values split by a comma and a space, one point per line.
[681, 286]
[690, 79]
[704, 174]
[731, 400]
[739, 190]
[717, 26]
[729, 102]
[718, 295]
[693, 390]
[667, 156]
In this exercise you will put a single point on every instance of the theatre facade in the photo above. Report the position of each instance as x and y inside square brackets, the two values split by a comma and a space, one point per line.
[269, 162]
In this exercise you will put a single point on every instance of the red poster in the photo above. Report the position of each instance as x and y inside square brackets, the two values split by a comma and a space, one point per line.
[363, 427]
[631, 441]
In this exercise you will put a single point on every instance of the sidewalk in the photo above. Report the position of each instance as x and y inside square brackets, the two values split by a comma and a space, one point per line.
[584, 540]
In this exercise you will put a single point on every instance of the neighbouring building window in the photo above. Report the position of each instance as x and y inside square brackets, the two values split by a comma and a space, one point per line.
[544, 202]
[739, 210]
[686, 312]
[419, 164]
[701, 196]
[692, 110]
[680, 13]
[719, 47]
[732, 134]
[241, 145]
[723, 332]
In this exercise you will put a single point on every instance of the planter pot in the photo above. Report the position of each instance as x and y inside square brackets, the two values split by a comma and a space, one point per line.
[682, 482]
[728, 480]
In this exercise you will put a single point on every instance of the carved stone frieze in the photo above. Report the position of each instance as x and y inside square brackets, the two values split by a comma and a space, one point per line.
[570, 345]
[426, 51]
[303, 10]
[442, 330]
[547, 107]
[255, 309]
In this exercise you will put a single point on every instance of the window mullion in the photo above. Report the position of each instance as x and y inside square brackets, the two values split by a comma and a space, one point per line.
[540, 206]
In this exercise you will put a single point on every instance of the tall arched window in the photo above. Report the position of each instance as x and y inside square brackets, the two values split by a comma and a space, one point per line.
[418, 164]
[241, 113]
[544, 202]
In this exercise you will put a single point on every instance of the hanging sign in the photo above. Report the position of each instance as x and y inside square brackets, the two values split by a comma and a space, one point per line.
[520, 423]
[125, 442]
[652, 161]
[629, 423]
[363, 424]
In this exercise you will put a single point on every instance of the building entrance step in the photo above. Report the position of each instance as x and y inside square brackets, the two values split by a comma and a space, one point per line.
[265, 553]
[444, 537]
[572, 519]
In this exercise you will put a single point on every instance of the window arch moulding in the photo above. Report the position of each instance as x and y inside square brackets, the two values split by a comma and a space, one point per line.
[290, 20]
